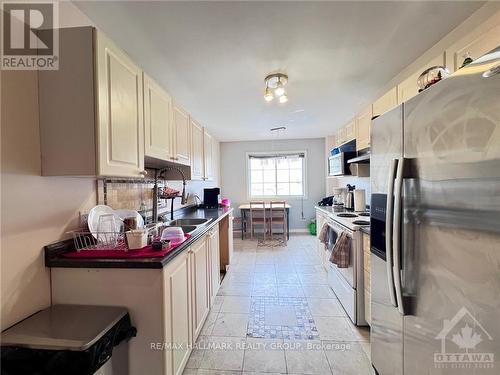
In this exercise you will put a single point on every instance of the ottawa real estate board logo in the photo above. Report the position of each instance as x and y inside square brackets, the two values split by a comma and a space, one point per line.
[30, 38]
[463, 340]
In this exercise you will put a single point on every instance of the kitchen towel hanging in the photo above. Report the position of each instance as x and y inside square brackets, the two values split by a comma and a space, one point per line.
[341, 251]
[323, 235]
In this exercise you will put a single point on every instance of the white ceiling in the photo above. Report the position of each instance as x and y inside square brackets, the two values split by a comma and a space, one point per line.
[213, 56]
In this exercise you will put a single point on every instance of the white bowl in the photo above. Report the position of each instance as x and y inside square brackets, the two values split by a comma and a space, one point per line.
[173, 234]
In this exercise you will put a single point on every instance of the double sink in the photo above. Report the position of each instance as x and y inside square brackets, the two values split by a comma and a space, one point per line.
[188, 225]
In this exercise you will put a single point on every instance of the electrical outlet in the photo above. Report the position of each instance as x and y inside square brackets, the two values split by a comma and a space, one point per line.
[84, 219]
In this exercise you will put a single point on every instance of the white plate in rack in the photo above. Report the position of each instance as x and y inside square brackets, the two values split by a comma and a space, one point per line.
[94, 215]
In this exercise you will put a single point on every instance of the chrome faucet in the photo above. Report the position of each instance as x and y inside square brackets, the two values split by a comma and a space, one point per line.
[155, 191]
[183, 196]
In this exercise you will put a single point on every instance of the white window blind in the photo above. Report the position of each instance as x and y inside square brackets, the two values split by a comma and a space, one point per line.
[276, 175]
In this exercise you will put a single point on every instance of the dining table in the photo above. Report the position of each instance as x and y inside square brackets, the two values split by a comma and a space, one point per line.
[245, 215]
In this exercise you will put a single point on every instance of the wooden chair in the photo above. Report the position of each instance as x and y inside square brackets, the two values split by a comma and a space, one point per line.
[279, 217]
[258, 217]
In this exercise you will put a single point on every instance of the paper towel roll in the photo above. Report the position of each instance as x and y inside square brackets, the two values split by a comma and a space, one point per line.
[359, 200]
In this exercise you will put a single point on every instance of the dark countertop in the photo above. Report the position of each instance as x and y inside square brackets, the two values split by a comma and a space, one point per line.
[54, 257]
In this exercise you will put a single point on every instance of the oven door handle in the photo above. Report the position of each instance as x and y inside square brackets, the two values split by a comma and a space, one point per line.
[389, 229]
[396, 235]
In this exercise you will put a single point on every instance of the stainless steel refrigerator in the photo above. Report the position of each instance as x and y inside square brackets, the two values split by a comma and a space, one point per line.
[435, 228]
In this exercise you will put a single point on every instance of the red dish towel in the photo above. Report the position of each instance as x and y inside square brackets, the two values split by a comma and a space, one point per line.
[145, 252]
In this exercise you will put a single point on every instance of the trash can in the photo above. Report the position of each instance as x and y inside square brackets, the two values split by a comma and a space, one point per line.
[67, 339]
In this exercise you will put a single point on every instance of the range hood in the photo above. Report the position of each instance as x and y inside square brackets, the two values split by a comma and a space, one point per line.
[360, 159]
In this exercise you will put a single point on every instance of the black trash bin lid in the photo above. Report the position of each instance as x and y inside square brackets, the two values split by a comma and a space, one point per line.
[63, 327]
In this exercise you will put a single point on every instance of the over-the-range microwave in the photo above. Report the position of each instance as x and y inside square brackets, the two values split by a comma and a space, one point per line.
[337, 162]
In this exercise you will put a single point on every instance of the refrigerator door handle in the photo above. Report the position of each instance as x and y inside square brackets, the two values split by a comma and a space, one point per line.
[396, 235]
[389, 229]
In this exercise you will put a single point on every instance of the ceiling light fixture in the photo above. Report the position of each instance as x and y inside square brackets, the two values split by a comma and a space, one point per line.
[276, 82]
[268, 95]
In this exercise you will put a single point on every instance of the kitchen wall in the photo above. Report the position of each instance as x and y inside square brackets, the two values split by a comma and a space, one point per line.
[35, 210]
[234, 173]
[38, 210]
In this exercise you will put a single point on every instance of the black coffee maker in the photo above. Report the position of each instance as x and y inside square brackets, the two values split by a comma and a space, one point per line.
[211, 198]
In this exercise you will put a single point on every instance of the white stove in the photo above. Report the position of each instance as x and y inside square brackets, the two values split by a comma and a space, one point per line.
[348, 283]
[350, 219]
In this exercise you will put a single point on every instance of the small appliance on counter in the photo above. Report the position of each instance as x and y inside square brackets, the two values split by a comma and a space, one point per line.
[339, 199]
[349, 199]
[211, 198]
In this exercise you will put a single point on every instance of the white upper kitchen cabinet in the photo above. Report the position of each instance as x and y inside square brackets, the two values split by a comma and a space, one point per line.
[120, 111]
[386, 102]
[363, 126]
[182, 136]
[350, 131]
[208, 142]
[91, 109]
[473, 46]
[158, 121]
[408, 88]
[197, 154]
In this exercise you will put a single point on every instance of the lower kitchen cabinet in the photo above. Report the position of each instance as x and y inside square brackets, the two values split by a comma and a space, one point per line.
[178, 315]
[321, 219]
[200, 269]
[214, 262]
[168, 306]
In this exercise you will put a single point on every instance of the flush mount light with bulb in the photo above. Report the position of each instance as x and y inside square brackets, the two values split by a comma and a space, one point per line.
[275, 83]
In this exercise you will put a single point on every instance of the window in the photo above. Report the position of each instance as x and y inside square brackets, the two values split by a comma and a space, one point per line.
[276, 175]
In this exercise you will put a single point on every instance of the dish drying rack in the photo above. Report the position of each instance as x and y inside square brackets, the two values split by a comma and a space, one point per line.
[85, 240]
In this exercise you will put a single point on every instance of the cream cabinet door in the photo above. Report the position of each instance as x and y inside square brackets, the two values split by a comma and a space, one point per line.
[408, 88]
[341, 136]
[209, 159]
[363, 125]
[200, 285]
[182, 137]
[197, 157]
[214, 257]
[177, 307]
[386, 102]
[475, 48]
[157, 121]
[350, 131]
[120, 112]
[320, 221]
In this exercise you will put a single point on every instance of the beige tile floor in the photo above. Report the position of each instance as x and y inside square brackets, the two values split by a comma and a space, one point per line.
[288, 273]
